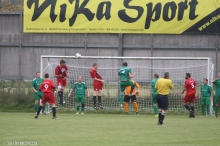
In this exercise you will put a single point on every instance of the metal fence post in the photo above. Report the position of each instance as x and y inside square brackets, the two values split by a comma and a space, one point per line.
[20, 49]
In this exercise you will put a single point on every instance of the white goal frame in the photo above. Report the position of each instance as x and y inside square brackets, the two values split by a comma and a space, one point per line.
[138, 58]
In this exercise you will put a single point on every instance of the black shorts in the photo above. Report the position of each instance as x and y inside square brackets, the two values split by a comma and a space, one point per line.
[127, 98]
[162, 101]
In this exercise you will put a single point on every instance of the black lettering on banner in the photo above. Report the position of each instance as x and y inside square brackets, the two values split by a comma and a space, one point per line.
[80, 9]
[167, 6]
[150, 13]
[100, 14]
[124, 17]
[38, 10]
[63, 12]
[182, 7]
[192, 11]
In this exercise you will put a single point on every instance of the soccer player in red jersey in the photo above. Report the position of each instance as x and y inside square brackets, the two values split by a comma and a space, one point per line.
[61, 73]
[97, 84]
[47, 87]
[190, 88]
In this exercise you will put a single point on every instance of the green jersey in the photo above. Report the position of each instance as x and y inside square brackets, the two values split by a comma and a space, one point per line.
[123, 73]
[36, 83]
[217, 90]
[206, 90]
[80, 88]
[153, 83]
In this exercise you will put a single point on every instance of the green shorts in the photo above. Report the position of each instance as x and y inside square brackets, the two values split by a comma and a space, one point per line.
[205, 101]
[154, 98]
[217, 99]
[80, 99]
[123, 85]
[38, 95]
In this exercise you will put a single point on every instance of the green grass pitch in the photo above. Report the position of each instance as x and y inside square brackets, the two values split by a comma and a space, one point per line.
[108, 130]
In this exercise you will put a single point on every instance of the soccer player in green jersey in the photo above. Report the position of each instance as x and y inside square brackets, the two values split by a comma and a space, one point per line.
[154, 94]
[125, 75]
[206, 94]
[80, 90]
[37, 94]
[217, 93]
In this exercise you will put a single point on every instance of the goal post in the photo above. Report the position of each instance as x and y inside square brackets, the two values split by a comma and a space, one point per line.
[143, 67]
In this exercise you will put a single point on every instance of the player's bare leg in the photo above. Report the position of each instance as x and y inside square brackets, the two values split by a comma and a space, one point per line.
[94, 99]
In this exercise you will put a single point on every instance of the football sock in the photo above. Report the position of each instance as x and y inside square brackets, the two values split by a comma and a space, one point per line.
[162, 118]
[94, 100]
[208, 109]
[99, 99]
[126, 107]
[77, 108]
[36, 107]
[203, 110]
[60, 93]
[159, 115]
[43, 109]
[39, 109]
[121, 99]
[155, 110]
[83, 107]
[192, 108]
[54, 111]
[187, 107]
[135, 106]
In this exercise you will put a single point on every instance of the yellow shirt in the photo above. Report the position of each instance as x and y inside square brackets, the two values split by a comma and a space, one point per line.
[163, 86]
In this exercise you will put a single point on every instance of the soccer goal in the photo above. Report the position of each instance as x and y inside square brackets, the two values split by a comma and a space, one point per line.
[143, 67]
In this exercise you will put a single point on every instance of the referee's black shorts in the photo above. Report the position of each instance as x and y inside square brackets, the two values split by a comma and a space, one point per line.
[162, 101]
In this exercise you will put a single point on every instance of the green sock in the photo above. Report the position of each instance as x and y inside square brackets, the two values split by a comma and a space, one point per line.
[82, 109]
[36, 107]
[43, 108]
[208, 109]
[203, 109]
[216, 110]
[77, 108]
[121, 99]
[155, 110]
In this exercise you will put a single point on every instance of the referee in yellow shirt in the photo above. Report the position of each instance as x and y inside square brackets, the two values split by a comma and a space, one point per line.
[163, 87]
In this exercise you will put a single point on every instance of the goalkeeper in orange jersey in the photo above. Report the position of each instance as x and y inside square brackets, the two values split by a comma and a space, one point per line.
[131, 95]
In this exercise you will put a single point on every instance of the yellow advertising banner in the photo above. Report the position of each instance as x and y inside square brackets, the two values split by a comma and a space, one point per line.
[122, 16]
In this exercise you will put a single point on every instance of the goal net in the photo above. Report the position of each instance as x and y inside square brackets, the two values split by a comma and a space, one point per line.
[143, 67]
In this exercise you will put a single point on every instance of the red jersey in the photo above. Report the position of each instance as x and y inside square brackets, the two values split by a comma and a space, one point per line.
[190, 86]
[95, 74]
[61, 70]
[47, 86]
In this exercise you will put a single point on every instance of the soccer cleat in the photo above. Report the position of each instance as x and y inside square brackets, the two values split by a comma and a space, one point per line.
[36, 116]
[54, 117]
[156, 116]
[82, 113]
[100, 106]
[216, 116]
[127, 113]
[95, 107]
[137, 114]
[160, 124]
[192, 116]
[77, 113]
[45, 113]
